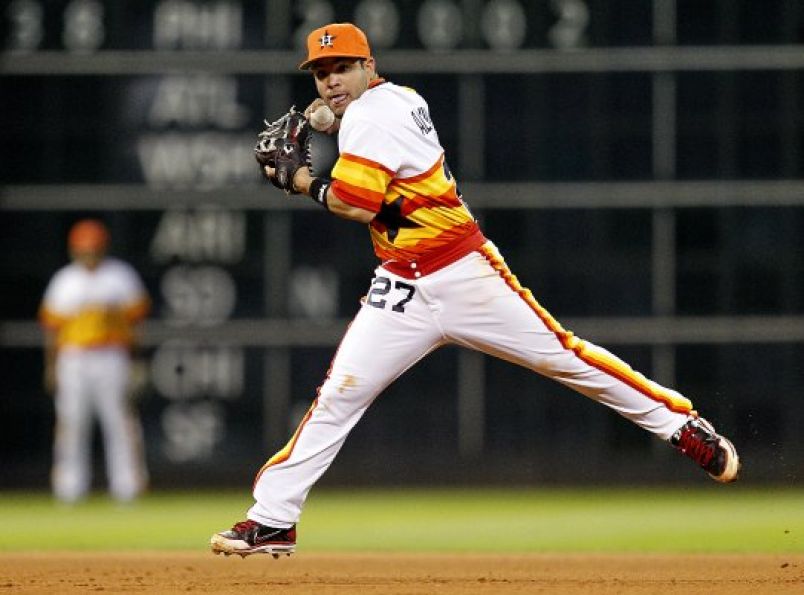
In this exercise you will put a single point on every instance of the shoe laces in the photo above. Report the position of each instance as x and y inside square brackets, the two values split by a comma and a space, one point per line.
[244, 527]
[698, 444]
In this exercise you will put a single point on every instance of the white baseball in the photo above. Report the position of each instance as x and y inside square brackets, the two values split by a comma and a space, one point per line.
[322, 118]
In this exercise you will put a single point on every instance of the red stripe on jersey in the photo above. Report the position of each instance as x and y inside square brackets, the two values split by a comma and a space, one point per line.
[435, 253]
[417, 201]
[356, 196]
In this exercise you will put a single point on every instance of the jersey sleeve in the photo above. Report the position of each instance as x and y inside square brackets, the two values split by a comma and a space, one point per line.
[369, 159]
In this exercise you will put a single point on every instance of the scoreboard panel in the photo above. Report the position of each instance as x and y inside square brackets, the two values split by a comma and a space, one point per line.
[218, 269]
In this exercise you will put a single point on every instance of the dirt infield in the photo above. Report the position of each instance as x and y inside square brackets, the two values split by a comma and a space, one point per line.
[400, 573]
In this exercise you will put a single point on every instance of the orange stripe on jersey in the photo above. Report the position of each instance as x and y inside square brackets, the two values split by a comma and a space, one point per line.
[604, 362]
[356, 196]
[366, 162]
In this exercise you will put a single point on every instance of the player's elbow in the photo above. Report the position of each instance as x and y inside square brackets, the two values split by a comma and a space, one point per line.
[347, 211]
[360, 215]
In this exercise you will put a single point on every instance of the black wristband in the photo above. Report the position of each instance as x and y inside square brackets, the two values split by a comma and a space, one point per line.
[318, 191]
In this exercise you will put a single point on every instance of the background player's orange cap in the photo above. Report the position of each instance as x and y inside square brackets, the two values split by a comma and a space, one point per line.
[88, 234]
[336, 40]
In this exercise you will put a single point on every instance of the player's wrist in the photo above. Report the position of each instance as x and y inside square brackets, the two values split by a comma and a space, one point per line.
[318, 189]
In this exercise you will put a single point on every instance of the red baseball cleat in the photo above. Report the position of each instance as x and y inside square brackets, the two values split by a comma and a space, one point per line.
[714, 453]
[250, 537]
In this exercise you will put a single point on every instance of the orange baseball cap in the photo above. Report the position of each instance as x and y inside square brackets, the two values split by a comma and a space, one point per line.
[88, 235]
[336, 40]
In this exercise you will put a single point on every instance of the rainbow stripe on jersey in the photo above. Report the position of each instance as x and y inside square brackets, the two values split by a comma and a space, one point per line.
[393, 165]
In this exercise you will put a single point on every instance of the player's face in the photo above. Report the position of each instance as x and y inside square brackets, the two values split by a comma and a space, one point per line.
[342, 80]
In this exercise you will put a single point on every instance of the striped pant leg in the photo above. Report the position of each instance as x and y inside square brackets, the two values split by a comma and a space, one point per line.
[502, 318]
[378, 347]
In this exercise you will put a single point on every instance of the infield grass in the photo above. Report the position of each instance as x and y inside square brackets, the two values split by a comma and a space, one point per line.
[723, 519]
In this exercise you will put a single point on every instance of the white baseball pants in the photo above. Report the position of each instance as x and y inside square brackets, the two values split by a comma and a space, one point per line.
[475, 302]
[92, 382]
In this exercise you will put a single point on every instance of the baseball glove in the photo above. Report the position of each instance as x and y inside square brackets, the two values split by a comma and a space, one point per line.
[290, 143]
[280, 147]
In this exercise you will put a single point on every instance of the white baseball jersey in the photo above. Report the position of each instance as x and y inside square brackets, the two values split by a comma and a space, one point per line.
[94, 308]
[439, 282]
[91, 314]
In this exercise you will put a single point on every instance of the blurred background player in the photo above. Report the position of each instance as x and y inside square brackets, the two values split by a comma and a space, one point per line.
[88, 312]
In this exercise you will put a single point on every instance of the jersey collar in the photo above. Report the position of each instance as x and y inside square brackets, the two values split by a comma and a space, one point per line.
[375, 82]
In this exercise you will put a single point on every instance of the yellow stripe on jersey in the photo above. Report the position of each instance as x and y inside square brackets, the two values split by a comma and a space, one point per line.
[366, 179]
[434, 185]
[603, 361]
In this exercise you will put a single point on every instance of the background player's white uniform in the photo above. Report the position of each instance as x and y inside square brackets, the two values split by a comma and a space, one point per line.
[440, 282]
[91, 313]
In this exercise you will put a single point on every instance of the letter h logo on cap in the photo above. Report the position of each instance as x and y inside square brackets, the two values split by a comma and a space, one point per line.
[327, 40]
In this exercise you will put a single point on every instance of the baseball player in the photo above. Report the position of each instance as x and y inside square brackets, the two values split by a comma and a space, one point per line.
[440, 281]
[88, 312]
